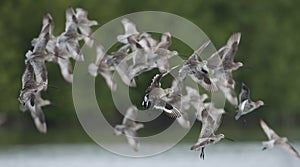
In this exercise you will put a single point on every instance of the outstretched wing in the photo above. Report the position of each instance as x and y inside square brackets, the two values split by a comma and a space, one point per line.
[203, 79]
[216, 114]
[168, 108]
[132, 139]
[289, 148]
[245, 93]
[232, 44]
[207, 128]
[28, 75]
[215, 60]
[130, 116]
[100, 55]
[193, 59]
[268, 131]
[155, 82]
[156, 79]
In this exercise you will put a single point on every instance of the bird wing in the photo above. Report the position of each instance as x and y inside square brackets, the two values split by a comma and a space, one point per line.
[184, 120]
[207, 128]
[215, 60]
[108, 76]
[245, 93]
[66, 69]
[122, 69]
[70, 17]
[129, 27]
[228, 91]
[268, 131]
[203, 80]
[48, 20]
[38, 116]
[130, 115]
[28, 75]
[100, 54]
[232, 44]
[41, 42]
[168, 108]
[40, 70]
[216, 114]
[84, 24]
[166, 41]
[193, 59]
[183, 71]
[155, 82]
[289, 148]
[132, 139]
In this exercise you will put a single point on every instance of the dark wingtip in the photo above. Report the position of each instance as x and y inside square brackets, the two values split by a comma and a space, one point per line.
[192, 148]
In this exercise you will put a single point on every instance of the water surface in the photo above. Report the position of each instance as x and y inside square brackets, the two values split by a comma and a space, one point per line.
[91, 155]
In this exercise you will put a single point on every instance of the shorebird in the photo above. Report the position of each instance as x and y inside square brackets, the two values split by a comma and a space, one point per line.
[68, 41]
[29, 85]
[211, 120]
[130, 30]
[222, 78]
[129, 127]
[39, 55]
[274, 139]
[61, 57]
[30, 98]
[101, 67]
[42, 102]
[47, 27]
[84, 25]
[176, 99]
[229, 54]
[155, 94]
[197, 70]
[246, 104]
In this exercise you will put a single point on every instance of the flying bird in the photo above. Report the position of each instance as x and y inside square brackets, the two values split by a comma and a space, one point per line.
[274, 139]
[84, 25]
[68, 41]
[211, 120]
[129, 127]
[229, 54]
[246, 105]
[101, 67]
[130, 30]
[197, 70]
[155, 94]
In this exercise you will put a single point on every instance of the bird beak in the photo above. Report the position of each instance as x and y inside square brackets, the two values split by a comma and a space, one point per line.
[229, 139]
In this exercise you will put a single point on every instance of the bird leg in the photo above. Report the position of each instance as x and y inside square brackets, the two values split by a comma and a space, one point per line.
[202, 153]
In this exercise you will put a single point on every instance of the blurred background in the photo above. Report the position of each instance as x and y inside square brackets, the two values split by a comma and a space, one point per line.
[269, 49]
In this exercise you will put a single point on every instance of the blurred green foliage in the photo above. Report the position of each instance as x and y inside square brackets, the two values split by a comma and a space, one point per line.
[269, 49]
